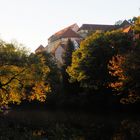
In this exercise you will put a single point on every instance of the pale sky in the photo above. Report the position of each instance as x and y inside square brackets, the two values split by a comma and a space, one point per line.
[31, 22]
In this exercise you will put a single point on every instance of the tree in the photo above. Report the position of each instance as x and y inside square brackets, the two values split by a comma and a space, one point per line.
[126, 70]
[137, 25]
[88, 66]
[132, 21]
[116, 70]
[22, 76]
[124, 67]
[36, 86]
[67, 56]
[67, 59]
[119, 22]
[11, 68]
[89, 62]
[54, 75]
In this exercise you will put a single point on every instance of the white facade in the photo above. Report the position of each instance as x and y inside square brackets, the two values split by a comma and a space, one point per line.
[60, 39]
[58, 54]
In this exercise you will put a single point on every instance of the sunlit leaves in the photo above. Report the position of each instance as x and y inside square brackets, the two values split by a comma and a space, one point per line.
[137, 25]
[89, 62]
[115, 69]
[22, 76]
[11, 83]
[126, 71]
[39, 91]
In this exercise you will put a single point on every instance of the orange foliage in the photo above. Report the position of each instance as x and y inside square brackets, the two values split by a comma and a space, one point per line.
[115, 69]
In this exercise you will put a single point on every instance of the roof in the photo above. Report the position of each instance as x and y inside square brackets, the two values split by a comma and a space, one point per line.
[93, 27]
[125, 23]
[127, 29]
[70, 33]
[61, 32]
[40, 49]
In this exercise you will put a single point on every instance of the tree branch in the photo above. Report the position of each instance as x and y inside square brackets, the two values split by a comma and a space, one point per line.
[14, 77]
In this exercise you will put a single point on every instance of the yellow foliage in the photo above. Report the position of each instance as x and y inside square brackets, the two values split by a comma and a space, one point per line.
[39, 92]
[18, 81]
[15, 97]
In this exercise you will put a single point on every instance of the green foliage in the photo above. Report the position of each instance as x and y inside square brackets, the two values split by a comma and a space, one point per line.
[54, 75]
[132, 21]
[125, 69]
[104, 61]
[120, 42]
[67, 56]
[119, 22]
[137, 25]
[11, 54]
[89, 62]
[131, 69]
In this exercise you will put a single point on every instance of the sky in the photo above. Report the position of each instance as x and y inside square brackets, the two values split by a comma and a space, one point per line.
[32, 22]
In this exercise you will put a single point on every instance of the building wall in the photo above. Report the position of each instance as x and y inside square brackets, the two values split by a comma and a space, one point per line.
[83, 33]
[53, 45]
[54, 38]
[75, 28]
[58, 54]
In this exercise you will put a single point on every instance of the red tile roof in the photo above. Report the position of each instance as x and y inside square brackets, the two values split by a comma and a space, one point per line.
[59, 33]
[63, 30]
[69, 33]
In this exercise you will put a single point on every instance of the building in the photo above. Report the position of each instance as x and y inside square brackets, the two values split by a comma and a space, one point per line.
[87, 29]
[57, 43]
[41, 48]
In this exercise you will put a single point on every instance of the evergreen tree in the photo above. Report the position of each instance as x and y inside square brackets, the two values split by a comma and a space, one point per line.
[67, 58]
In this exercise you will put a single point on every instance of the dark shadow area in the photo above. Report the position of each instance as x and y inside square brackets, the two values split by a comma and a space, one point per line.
[60, 125]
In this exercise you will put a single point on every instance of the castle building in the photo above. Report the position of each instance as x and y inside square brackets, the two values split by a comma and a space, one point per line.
[57, 43]
[87, 29]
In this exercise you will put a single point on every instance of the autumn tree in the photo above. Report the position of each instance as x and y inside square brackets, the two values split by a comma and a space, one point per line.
[22, 76]
[54, 75]
[116, 71]
[124, 67]
[36, 86]
[126, 70]
[89, 62]
[12, 65]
